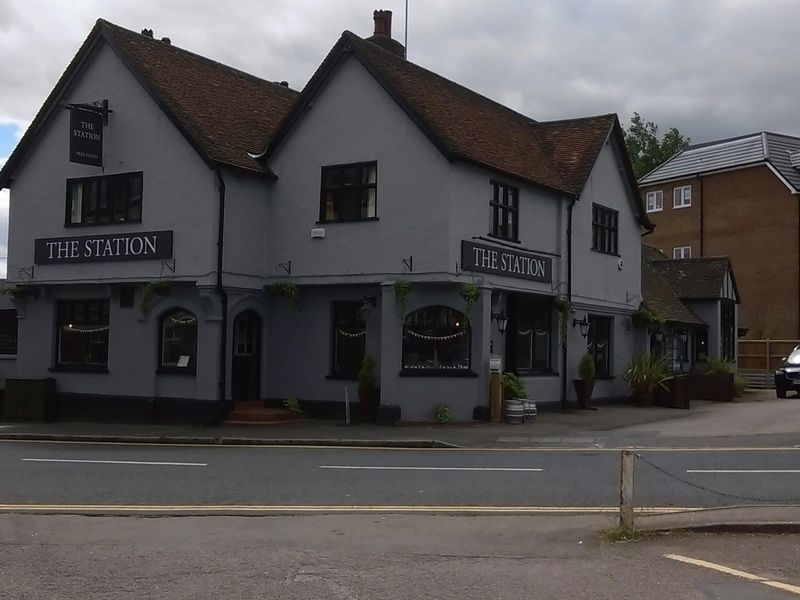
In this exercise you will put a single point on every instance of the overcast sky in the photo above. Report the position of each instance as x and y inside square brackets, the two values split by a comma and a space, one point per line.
[711, 68]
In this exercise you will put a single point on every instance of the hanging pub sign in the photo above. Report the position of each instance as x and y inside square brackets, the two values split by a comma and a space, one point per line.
[506, 261]
[86, 132]
[146, 245]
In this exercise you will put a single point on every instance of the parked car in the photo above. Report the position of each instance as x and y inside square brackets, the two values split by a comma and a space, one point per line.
[787, 375]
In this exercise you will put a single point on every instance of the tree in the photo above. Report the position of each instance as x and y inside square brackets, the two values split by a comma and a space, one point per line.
[644, 147]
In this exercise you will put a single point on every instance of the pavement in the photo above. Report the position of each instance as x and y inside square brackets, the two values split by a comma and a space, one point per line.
[758, 421]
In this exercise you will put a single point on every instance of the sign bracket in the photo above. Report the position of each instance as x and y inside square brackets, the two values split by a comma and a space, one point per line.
[98, 107]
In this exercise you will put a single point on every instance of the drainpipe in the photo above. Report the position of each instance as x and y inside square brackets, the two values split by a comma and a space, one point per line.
[702, 200]
[223, 296]
[569, 299]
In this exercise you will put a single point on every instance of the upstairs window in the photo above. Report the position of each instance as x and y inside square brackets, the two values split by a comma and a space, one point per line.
[104, 200]
[505, 211]
[655, 201]
[682, 196]
[349, 193]
[605, 224]
[682, 252]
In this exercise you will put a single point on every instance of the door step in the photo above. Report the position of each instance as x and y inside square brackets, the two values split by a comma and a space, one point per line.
[254, 413]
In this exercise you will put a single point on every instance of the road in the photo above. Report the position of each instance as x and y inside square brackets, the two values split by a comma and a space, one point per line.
[374, 557]
[129, 475]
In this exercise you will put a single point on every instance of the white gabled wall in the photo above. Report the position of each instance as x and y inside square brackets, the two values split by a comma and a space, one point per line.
[179, 189]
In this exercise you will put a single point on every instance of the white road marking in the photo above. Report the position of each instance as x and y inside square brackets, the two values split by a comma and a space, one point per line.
[115, 462]
[735, 572]
[743, 470]
[352, 467]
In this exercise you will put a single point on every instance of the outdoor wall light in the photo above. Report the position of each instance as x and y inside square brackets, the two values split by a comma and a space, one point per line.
[683, 335]
[367, 305]
[583, 324]
[502, 321]
[659, 335]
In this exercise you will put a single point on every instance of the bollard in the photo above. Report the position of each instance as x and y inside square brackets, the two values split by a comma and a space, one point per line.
[626, 490]
[496, 397]
[347, 405]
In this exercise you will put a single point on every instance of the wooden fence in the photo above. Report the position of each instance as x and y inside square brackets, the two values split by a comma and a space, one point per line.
[758, 360]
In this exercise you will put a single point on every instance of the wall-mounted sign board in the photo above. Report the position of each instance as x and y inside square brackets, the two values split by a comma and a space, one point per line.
[145, 245]
[506, 261]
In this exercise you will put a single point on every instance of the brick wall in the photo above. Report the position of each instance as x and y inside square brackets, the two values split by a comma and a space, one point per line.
[750, 216]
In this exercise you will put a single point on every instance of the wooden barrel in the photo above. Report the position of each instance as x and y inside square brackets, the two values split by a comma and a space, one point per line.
[529, 407]
[514, 411]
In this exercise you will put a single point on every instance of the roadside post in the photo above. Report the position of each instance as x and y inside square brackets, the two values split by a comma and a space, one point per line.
[495, 388]
[347, 405]
[626, 490]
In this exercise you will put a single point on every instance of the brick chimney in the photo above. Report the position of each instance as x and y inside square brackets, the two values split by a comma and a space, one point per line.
[383, 33]
[383, 23]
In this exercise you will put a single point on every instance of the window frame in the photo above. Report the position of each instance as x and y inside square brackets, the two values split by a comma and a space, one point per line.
[411, 371]
[15, 317]
[506, 203]
[173, 369]
[606, 370]
[682, 250]
[324, 189]
[658, 201]
[354, 305]
[60, 307]
[532, 308]
[609, 232]
[109, 181]
[685, 200]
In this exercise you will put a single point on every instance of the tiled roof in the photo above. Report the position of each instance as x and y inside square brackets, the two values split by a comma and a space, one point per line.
[742, 151]
[695, 278]
[658, 295]
[465, 125]
[224, 113]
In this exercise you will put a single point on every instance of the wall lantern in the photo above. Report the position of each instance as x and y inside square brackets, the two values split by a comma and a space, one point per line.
[502, 321]
[367, 305]
[683, 335]
[583, 324]
[658, 334]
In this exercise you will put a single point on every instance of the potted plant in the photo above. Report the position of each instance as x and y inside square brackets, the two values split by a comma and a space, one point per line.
[645, 374]
[584, 385]
[517, 405]
[367, 394]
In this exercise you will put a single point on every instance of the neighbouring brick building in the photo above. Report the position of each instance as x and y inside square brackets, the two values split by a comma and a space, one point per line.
[737, 198]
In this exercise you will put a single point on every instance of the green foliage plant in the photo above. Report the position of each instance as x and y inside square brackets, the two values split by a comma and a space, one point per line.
[443, 414]
[718, 366]
[586, 367]
[288, 290]
[739, 386]
[564, 309]
[402, 290]
[513, 386]
[293, 405]
[151, 289]
[366, 374]
[470, 294]
[645, 373]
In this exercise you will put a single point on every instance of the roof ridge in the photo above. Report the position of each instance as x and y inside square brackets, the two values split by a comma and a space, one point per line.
[172, 47]
[574, 119]
[442, 77]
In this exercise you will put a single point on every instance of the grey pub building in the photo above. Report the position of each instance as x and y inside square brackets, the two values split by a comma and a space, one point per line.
[184, 236]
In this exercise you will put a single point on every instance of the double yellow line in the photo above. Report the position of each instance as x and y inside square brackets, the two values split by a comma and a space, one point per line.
[266, 509]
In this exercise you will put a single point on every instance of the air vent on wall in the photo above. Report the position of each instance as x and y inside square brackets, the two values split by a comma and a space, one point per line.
[318, 233]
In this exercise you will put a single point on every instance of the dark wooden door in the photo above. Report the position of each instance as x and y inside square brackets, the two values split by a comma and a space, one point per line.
[246, 368]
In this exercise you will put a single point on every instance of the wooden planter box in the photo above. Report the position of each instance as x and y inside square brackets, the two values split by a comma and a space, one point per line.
[703, 386]
[30, 400]
[673, 393]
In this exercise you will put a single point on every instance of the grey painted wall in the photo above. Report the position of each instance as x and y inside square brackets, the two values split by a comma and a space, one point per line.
[354, 120]
[179, 190]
